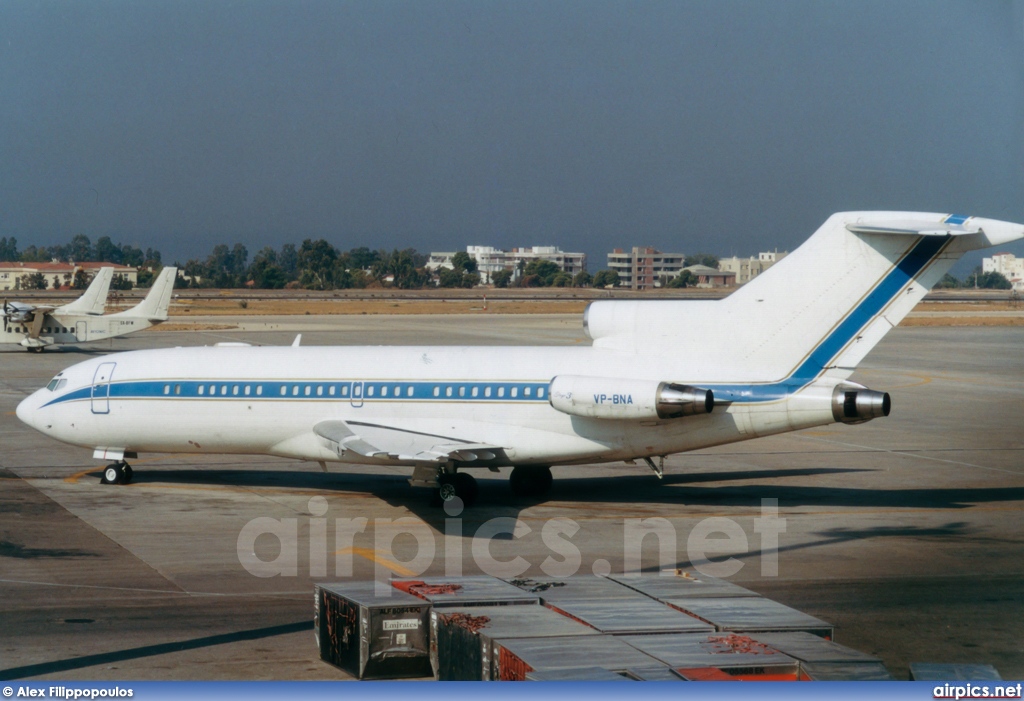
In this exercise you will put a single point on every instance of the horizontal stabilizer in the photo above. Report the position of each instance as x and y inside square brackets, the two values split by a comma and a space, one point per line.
[914, 228]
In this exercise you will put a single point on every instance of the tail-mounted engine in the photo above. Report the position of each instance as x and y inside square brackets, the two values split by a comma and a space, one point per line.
[854, 404]
[625, 399]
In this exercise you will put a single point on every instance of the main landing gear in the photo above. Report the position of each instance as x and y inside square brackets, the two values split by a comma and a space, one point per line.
[117, 473]
[530, 481]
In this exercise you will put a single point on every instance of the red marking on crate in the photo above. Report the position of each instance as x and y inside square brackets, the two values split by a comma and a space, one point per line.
[511, 668]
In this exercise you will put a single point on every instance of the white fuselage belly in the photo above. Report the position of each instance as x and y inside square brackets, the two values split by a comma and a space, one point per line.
[227, 420]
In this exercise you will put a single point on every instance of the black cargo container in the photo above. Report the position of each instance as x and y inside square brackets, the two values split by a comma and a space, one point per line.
[372, 636]
[717, 656]
[752, 615]
[681, 585]
[631, 615]
[465, 639]
[578, 588]
[517, 657]
[476, 590]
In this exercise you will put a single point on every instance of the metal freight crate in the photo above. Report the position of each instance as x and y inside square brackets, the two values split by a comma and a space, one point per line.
[845, 672]
[717, 656]
[824, 660]
[578, 588]
[477, 590]
[681, 585]
[576, 674]
[752, 615]
[517, 657]
[658, 673]
[371, 636]
[465, 639]
[624, 616]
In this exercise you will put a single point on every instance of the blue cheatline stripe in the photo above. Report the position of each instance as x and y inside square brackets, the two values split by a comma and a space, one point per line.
[372, 391]
[343, 391]
[861, 315]
[957, 219]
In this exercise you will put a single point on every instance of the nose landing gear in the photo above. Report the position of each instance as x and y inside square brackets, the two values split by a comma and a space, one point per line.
[117, 473]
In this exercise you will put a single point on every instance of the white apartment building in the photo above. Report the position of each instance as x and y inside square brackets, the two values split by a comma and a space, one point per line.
[746, 269]
[1009, 266]
[490, 260]
[643, 267]
[56, 274]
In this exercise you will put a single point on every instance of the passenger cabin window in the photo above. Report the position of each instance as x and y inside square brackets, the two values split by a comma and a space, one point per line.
[295, 390]
[259, 389]
[248, 388]
[447, 391]
[501, 391]
[319, 390]
[167, 389]
[234, 390]
[540, 393]
[437, 391]
[515, 391]
[487, 391]
[202, 389]
[526, 391]
[284, 390]
[408, 392]
[330, 390]
[344, 390]
[177, 389]
[223, 389]
[384, 391]
[309, 390]
[462, 391]
[476, 391]
[369, 391]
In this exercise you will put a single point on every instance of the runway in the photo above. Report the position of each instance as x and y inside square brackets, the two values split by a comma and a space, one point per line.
[906, 532]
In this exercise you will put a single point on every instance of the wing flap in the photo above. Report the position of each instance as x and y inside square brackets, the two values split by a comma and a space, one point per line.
[391, 443]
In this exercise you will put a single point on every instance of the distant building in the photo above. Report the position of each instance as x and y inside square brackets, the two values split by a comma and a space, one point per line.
[56, 274]
[746, 269]
[643, 267]
[710, 277]
[1009, 266]
[490, 260]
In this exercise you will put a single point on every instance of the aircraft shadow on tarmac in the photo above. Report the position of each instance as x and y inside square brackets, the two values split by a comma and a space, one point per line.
[107, 658]
[674, 490]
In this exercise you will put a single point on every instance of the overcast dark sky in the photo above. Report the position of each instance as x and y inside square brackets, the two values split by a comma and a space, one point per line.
[731, 127]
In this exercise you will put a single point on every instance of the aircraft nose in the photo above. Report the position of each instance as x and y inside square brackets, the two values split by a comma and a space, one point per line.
[26, 410]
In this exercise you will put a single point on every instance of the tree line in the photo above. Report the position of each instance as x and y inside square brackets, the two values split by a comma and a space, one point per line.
[976, 279]
[317, 265]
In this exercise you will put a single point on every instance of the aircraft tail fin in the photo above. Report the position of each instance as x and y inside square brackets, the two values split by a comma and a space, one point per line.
[94, 298]
[154, 306]
[820, 309]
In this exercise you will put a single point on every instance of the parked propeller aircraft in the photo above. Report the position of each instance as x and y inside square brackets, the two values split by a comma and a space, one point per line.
[83, 321]
[661, 377]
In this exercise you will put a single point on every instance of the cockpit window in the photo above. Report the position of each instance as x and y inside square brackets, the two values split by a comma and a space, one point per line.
[57, 383]
[53, 384]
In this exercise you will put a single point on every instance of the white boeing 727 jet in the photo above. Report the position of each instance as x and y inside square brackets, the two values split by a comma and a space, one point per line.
[662, 377]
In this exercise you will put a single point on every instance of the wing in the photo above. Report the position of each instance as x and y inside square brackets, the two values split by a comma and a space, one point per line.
[382, 442]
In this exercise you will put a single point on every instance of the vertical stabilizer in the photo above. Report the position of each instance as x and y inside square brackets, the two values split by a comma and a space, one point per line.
[154, 307]
[95, 297]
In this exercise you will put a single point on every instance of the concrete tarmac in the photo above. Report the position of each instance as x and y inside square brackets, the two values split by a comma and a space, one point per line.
[905, 532]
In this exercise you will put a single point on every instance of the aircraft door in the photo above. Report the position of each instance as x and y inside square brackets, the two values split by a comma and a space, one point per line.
[357, 394]
[101, 388]
[82, 331]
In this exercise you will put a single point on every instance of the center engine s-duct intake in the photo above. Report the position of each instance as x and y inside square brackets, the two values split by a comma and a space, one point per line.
[619, 398]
